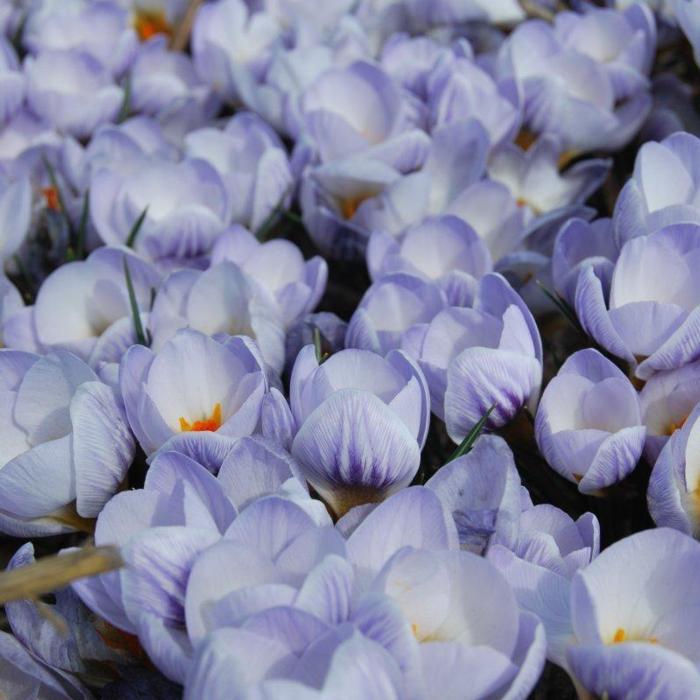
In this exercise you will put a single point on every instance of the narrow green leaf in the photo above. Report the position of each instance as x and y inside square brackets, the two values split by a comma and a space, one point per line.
[131, 238]
[264, 229]
[562, 305]
[81, 234]
[468, 442]
[135, 313]
[126, 102]
[320, 355]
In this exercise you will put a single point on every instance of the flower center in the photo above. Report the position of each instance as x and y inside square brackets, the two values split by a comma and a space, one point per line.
[212, 423]
[51, 197]
[672, 427]
[622, 636]
[148, 23]
[350, 205]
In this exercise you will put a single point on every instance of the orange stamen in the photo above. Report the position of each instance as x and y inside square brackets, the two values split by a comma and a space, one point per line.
[349, 206]
[212, 423]
[148, 23]
[672, 427]
[51, 197]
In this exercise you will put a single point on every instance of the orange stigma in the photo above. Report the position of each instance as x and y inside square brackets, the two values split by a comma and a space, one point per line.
[621, 636]
[51, 197]
[349, 206]
[213, 423]
[148, 23]
[672, 427]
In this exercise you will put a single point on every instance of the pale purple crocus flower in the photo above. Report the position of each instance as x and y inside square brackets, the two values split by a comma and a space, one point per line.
[20, 669]
[443, 249]
[253, 163]
[294, 285]
[667, 399]
[69, 647]
[634, 614]
[221, 301]
[362, 420]
[96, 28]
[194, 383]
[580, 244]
[549, 549]
[482, 491]
[652, 312]
[395, 307]
[186, 207]
[535, 179]
[66, 443]
[23, 141]
[569, 93]
[361, 109]
[84, 306]
[589, 424]
[626, 44]
[72, 91]
[164, 82]
[475, 358]
[343, 201]
[674, 486]
[465, 617]
[459, 90]
[12, 82]
[182, 511]
[124, 148]
[231, 42]
[664, 188]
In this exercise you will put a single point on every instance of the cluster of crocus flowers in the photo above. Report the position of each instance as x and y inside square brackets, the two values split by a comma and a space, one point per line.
[284, 295]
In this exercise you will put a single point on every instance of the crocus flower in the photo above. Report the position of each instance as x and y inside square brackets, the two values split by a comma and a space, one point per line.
[393, 308]
[674, 486]
[23, 141]
[186, 207]
[220, 301]
[549, 549]
[479, 357]
[362, 420]
[360, 109]
[663, 188]
[181, 511]
[666, 400]
[229, 41]
[12, 83]
[444, 249]
[652, 311]
[580, 244]
[459, 90]
[534, 178]
[84, 307]
[194, 383]
[69, 647]
[164, 81]
[66, 443]
[633, 613]
[570, 93]
[99, 29]
[253, 163]
[589, 424]
[626, 45]
[21, 670]
[71, 90]
[465, 617]
[482, 491]
[294, 285]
